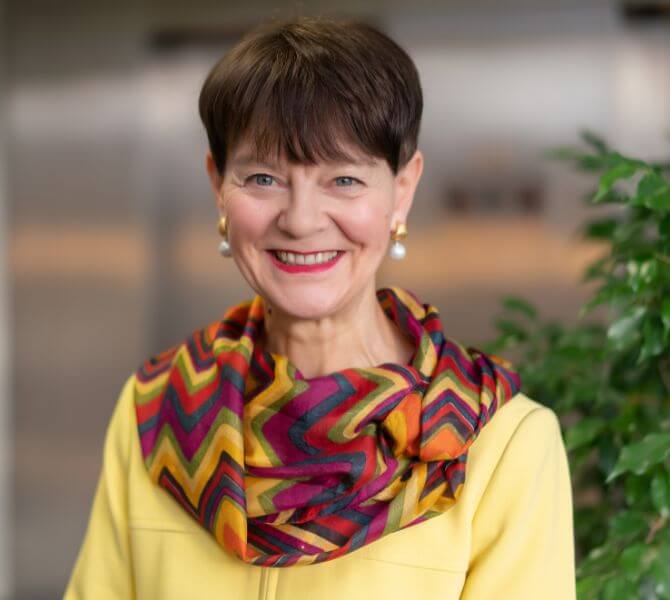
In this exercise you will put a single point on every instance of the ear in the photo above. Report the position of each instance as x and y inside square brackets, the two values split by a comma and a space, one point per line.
[406, 181]
[215, 179]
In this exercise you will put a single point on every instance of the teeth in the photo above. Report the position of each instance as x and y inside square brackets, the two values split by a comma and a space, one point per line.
[304, 259]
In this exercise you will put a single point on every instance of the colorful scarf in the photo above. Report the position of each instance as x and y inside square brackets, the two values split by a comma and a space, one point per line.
[283, 469]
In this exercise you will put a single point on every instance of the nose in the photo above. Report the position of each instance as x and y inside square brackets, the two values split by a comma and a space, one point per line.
[302, 215]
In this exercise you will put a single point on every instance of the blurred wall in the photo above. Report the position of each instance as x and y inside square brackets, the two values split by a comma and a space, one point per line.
[6, 435]
[113, 242]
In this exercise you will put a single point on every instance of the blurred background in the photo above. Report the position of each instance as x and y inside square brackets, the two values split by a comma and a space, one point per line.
[108, 225]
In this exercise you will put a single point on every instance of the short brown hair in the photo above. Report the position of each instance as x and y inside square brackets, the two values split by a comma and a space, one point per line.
[304, 85]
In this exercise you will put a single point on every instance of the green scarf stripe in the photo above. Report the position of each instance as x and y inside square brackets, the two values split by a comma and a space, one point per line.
[384, 384]
[258, 423]
[266, 499]
[395, 512]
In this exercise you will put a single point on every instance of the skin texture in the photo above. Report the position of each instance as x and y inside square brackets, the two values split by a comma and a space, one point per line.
[328, 320]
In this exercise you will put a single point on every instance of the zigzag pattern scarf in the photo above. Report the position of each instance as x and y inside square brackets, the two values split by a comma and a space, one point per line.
[283, 469]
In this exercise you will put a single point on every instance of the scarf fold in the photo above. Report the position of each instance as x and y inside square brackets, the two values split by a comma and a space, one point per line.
[283, 469]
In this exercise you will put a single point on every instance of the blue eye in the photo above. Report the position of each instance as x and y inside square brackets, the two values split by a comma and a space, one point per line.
[351, 179]
[265, 180]
[260, 177]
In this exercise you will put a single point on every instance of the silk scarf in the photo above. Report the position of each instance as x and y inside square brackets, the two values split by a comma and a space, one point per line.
[283, 469]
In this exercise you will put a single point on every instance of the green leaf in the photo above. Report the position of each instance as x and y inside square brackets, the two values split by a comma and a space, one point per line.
[665, 313]
[636, 490]
[589, 587]
[664, 227]
[597, 269]
[632, 561]
[625, 330]
[608, 292]
[583, 432]
[595, 141]
[660, 493]
[583, 160]
[562, 153]
[510, 328]
[642, 273]
[594, 162]
[640, 456]
[653, 343]
[660, 571]
[600, 559]
[653, 191]
[619, 587]
[608, 452]
[517, 304]
[602, 229]
[626, 525]
[622, 170]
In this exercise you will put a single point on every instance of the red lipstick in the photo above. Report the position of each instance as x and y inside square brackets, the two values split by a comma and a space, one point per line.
[305, 268]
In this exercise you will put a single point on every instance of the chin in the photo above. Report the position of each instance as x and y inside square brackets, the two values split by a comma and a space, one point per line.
[305, 303]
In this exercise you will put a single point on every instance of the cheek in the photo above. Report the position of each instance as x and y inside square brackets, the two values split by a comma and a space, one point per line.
[366, 224]
[248, 222]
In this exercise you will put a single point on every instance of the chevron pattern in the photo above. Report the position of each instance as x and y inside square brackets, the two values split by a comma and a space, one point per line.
[283, 469]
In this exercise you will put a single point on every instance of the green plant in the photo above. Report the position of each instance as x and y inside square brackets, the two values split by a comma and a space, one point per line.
[609, 382]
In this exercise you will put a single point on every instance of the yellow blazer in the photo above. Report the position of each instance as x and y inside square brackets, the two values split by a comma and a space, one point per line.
[508, 537]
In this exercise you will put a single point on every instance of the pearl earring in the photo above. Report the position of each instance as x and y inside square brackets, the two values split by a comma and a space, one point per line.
[224, 246]
[397, 250]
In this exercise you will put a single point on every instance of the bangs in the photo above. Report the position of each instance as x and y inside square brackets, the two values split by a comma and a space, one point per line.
[303, 128]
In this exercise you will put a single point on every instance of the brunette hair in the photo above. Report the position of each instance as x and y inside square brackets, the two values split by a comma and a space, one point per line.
[303, 86]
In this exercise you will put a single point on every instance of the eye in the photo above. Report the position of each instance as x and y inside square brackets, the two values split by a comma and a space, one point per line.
[349, 181]
[261, 179]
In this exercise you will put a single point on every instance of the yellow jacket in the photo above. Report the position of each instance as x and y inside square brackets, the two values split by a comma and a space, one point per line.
[509, 535]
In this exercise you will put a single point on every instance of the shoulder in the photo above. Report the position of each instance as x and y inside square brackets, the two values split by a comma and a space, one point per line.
[123, 414]
[520, 417]
[521, 421]
[519, 436]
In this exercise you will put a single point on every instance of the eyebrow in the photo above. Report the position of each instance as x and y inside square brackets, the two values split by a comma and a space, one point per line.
[245, 160]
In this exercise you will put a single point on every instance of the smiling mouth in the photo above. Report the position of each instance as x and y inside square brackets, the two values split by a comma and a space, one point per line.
[306, 260]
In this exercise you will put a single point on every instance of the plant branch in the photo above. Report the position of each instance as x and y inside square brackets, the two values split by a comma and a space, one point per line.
[655, 527]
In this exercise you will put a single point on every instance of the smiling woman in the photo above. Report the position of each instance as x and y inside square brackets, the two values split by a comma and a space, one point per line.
[324, 439]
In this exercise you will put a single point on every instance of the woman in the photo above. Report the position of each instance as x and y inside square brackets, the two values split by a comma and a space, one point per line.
[324, 439]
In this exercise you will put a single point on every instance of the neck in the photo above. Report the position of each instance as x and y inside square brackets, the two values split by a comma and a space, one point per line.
[359, 335]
